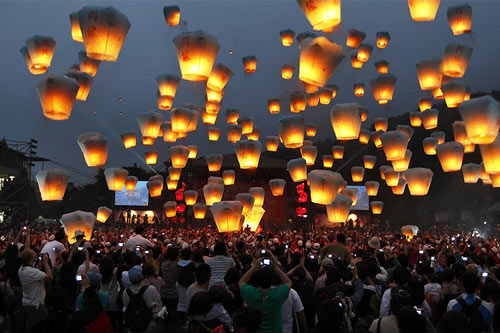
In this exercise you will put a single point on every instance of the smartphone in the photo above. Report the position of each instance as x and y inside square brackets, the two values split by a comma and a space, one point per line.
[80, 248]
[421, 252]
[330, 256]
[78, 277]
[465, 258]
[312, 256]
[25, 228]
[286, 246]
[40, 258]
[453, 239]
[263, 251]
[147, 251]
[266, 262]
[419, 311]
[433, 258]
[485, 274]
[120, 244]
[380, 250]
[97, 251]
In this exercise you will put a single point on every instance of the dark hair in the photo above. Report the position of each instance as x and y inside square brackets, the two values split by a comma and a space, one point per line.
[139, 229]
[403, 260]
[341, 238]
[186, 253]
[203, 273]
[409, 321]
[106, 267]
[264, 277]
[401, 276]
[399, 298]
[11, 252]
[470, 282]
[172, 253]
[453, 321]
[200, 304]
[232, 276]
[333, 275]
[148, 269]
[217, 294]
[448, 275]
[248, 319]
[220, 249]
[91, 302]
[60, 235]
[330, 316]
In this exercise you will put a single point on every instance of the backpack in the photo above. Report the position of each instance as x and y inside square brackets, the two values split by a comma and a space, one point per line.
[473, 315]
[186, 274]
[137, 314]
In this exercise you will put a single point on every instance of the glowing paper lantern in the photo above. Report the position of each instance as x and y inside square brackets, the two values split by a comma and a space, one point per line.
[355, 38]
[88, 65]
[233, 132]
[357, 174]
[495, 180]
[324, 186]
[246, 124]
[199, 210]
[94, 148]
[352, 193]
[215, 180]
[383, 38]
[287, 72]
[190, 197]
[429, 74]
[150, 123]
[76, 32]
[193, 151]
[409, 231]
[380, 124]
[364, 136]
[415, 119]
[213, 133]
[310, 88]
[213, 193]
[429, 118]
[179, 156]
[429, 145]
[254, 136]
[212, 107]
[372, 188]
[491, 156]
[333, 88]
[485, 177]
[287, 37]
[291, 131]
[423, 10]
[52, 184]
[338, 210]
[391, 176]
[481, 119]
[228, 176]
[277, 186]
[174, 173]
[130, 183]
[376, 207]
[155, 185]
[57, 95]
[383, 88]
[346, 121]
[168, 134]
[78, 220]
[439, 135]
[382, 66]
[171, 184]
[272, 143]
[151, 157]
[454, 93]
[207, 118]
[219, 77]
[258, 193]
[196, 52]
[355, 62]
[248, 153]
[394, 144]
[399, 189]
[167, 85]
[297, 102]
[115, 178]
[418, 180]
[250, 64]
[169, 208]
[274, 105]
[470, 172]
[252, 218]
[318, 59]
[456, 59]
[460, 135]
[247, 200]
[325, 96]
[369, 161]
[364, 52]
[85, 83]
[383, 169]
[322, 14]
[232, 116]
[297, 168]
[376, 138]
[147, 141]
[172, 15]
[103, 213]
[183, 119]
[227, 215]
[338, 152]
[364, 113]
[460, 19]
[424, 103]
[214, 162]
[311, 129]
[309, 153]
[359, 89]
[402, 164]
[38, 54]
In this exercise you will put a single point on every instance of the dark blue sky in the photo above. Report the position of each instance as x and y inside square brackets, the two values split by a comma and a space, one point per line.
[246, 27]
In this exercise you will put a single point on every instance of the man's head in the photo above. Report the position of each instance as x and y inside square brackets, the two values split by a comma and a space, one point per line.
[135, 274]
[341, 238]
[60, 236]
[28, 257]
[264, 277]
[220, 249]
[203, 273]
[401, 276]
[172, 253]
[410, 321]
[470, 282]
[400, 298]
[139, 230]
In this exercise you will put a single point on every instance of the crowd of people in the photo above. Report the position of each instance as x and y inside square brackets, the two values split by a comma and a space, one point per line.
[196, 280]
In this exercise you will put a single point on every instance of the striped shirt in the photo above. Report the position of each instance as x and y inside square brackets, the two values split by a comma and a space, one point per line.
[219, 265]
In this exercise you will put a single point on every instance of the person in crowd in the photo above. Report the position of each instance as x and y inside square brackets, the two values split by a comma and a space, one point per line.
[204, 313]
[169, 272]
[202, 274]
[109, 285]
[219, 264]
[336, 249]
[185, 277]
[55, 246]
[389, 324]
[247, 320]
[137, 240]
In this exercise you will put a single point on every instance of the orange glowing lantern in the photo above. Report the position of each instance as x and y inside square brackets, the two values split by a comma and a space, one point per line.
[376, 207]
[352, 193]
[324, 186]
[346, 121]
[94, 148]
[57, 96]
[214, 98]
[402, 164]
[400, 188]
[155, 186]
[167, 85]
[394, 144]
[52, 184]
[183, 119]
[310, 88]
[338, 152]
[248, 153]
[450, 155]
[429, 118]
[380, 124]
[481, 119]
[369, 161]
[454, 93]
[376, 138]
[254, 136]
[338, 210]
[491, 156]
[174, 173]
[355, 38]
[415, 119]
[406, 129]
[115, 178]
[208, 118]
[364, 52]
[439, 135]
[355, 62]
[38, 53]
[297, 102]
[214, 162]
[359, 89]
[171, 184]
[382, 66]
[470, 172]
[391, 176]
[429, 145]
[418, 180]
[311, 130]
[76, 32]
[423, 10]
[88, 65]
[190, 197]
[247, 200]
[196, 52]
[272, 143]
[274, 105]
[213, 133]
[228, 176]
[327, 161]
[313, 99]
[232, 116]
[383, 38]
[325, 96]
[383, 169]
[103, 213]
[172, 15]
[424, 103]
[250, 64]
[233, 133]
[246, 124]
[227, 215]
[215, 180]
[364, 113]
[287, 37]
[130, 183]
[309, 153]
[219, 77]
[383, 88]
[179, 156]
[199, 210]
[258, 194]
[429, 74]
[372, 188]
[212, 107]
[164, 102]
[168, 134]
[287, 72]
[455, 60]
[334, 89]
[78, 220]
[213, 193]
[147, 141]
[150, 123]
[151, 157]
[84, 81]
[291, 131]
[297, 168]
[322, 14]
[277, 186]
[460, 19]
[364, 136]
[169, 208]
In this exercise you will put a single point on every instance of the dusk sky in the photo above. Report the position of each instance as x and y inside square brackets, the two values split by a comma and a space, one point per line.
[247, 27]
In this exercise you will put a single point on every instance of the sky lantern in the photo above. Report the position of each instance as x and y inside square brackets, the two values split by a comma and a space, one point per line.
[277, 186]
[199, 210]
[272, 143]
[40, 50]
[357, 174]
[148, 141]
[248, 153]
[352, 193]
[364, 136]
[103, 31]
[76, 32]
[450, 155]
[258, 193]
[382, 169]
[130, 183]
[287, 72]
[155, 185]
[215, 180]
[376, 138]
[429, 118]
[208, 118]
[381, 124]
[172, 15]
[383, 38]
[151, 157]
[415, 119]
[372, 188]
[460, 19]
[382, 66]
[418, 180]
[460, 135]
[369, 161]
[150, 123]
[78, 220]
[355, 62]
[169, 208]
[334, 89]
[346, 121]
[254, 136]
[179, 156]
[327, 161]
[213, 133]
[219, 77]
[470, 172]
[196, 52]
[439, 135]
[364, 52]
[250, 64]
[212, 107]
[491, 156]
[94, 148]
[454, 93]
[310, 88]
[52, 184]
[85, 83]
[364, 113]
[359, 89]
[483, 175]
[115, 178]
[227, 215]
[88, 65]
[57, 96]
[233, 132]
[311, 130]
[297, 168]
[274, 105]
[325, 96]
[338, 152]
[287, 37]
[168, 134]
[291, 131]
[246, 124]
[338, 210]
[324, 186]
[429, 144]
[455, 60]
[232, 116]
[309, 153]
[297, 102]
[103, 213]
[383, 87]
[214, 162]
[355, 38]
[247, 200]
[190, 197]
[174, 173]
[228, 176]
[402, 164]
[394, 144]
[377, 207]
[423, 10]
[391, 176]
[183, 119]
[495, 180]
[213, 193]
[481, 119]
[167, 84]
[406, 129]
[429, 74]
[319, 58]
[322, 14]
[171, 184]
[164, 102]
[424, 103]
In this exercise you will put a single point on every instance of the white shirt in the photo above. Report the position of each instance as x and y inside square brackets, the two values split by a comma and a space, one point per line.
[292, 304]
[138, 240]
[92, 268]
[32, 282]
[50, 248]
